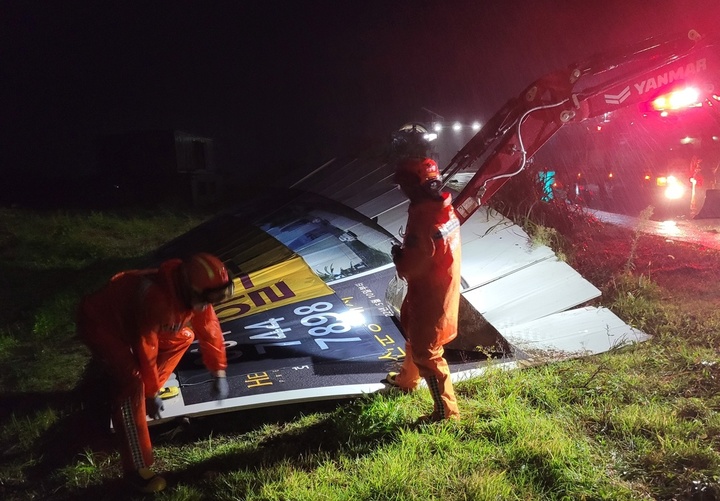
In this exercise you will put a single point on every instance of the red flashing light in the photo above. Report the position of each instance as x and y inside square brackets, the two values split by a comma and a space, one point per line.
[676, 100]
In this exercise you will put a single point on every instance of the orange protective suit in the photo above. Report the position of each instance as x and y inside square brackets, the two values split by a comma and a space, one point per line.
[430, 262]
[139, 327]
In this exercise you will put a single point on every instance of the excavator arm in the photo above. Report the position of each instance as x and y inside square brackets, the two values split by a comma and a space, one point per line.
[599, 85]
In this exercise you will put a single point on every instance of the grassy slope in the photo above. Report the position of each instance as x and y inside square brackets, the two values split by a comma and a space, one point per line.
[638, 423]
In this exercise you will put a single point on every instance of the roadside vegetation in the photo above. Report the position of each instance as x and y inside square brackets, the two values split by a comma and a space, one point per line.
[640, 422]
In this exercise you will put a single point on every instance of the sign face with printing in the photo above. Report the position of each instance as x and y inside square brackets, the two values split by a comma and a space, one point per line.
[307, 319]
[345, 337]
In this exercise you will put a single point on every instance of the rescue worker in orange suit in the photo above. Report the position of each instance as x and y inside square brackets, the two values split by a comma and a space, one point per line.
[138, 326]
[429, 260]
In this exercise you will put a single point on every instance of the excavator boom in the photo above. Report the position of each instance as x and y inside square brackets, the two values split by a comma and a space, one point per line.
[602, 84]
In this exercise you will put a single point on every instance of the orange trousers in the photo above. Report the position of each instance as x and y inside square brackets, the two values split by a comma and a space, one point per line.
[129, 417]
[428, 363]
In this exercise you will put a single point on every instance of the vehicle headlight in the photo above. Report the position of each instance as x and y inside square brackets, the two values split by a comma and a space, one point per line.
[674, 189]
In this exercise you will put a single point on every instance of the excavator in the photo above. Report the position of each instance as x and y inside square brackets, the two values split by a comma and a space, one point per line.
[660, 74]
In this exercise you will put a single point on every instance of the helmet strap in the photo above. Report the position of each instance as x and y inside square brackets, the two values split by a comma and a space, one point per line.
[432, 188]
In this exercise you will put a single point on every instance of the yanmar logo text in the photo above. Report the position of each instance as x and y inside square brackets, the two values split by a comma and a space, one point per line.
[658, 81]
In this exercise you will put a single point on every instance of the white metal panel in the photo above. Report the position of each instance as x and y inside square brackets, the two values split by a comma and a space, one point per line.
[583, 331]
[492, 247]
[394, 220]
[175, 407]
[547, 287]
[373, 207]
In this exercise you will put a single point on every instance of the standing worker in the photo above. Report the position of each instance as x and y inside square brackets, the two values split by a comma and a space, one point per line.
[429, 260]
[138, 326]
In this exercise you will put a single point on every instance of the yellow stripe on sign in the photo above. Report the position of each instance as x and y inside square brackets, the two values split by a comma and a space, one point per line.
[277, 285]
[253, 250]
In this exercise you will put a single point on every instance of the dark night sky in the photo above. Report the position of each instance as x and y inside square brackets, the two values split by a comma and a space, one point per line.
[294, 82]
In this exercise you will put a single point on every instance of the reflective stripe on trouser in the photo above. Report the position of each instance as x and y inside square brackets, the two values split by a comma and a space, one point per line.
[430, 365]
[128, 413]
[135, 445]
[130, 424]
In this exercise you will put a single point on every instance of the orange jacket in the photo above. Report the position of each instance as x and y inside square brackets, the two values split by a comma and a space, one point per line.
[140, 307]
[430, 262]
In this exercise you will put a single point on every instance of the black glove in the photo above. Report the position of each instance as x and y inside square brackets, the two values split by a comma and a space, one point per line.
[395, 251]
[153, 406]
[220, 388]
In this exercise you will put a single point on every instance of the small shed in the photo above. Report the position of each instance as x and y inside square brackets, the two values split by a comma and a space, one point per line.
[146, 167]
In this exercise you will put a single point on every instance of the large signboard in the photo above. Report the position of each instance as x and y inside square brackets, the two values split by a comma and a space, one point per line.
[308, 319]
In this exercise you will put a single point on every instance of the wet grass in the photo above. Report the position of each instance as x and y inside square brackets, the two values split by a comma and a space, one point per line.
[640, 422]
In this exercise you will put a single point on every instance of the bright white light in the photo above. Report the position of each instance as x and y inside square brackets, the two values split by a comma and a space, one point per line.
[352, 317]
[686, 97]
[688, 140]
[674, 192]
[675, 188]
[476, 126]
[437, 127]
[457, 126]
[430, 136]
